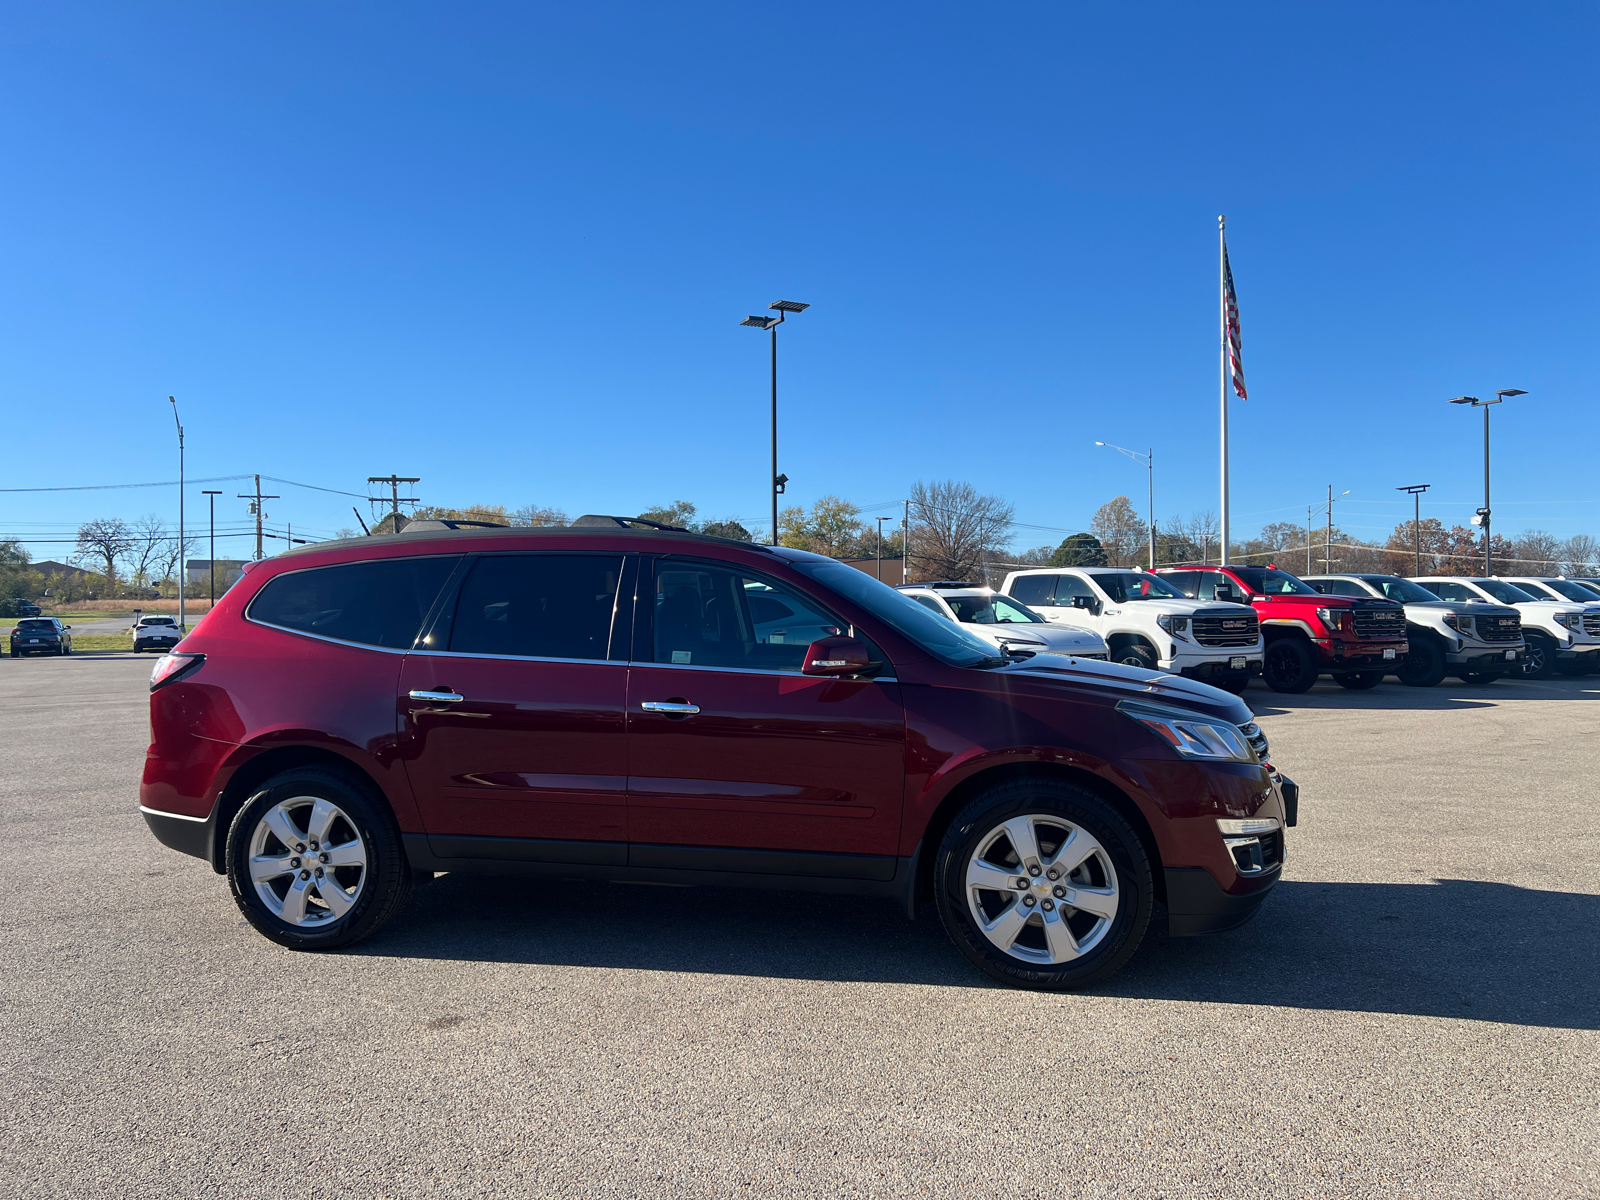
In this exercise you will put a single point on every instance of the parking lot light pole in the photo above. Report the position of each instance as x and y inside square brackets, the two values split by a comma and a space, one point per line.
[1416, 490]
[173, 400]
[213, 551]
[880, 521]
[1483, 513]
[784, 308]
[1149, 460]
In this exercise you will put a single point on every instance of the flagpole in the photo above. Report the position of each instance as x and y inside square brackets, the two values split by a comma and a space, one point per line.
[1222, 377]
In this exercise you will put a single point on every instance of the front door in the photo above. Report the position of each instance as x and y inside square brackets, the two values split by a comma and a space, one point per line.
[513, 731]
[739, 762]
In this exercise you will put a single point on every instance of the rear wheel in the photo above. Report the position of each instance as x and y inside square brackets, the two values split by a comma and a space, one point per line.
[1042, 884]
[1359, 681]
[1424, 664]
[1539, 661]
[315, 860]
[1290, 666]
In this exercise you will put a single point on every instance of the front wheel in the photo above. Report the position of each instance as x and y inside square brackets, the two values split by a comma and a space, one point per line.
[1235, 682]
[315, 860]
[1359, 681]
[1539, 660]
[1423, 666]
[1477, 678]
[1042, 884]
[1290, 666]
[1137, 654]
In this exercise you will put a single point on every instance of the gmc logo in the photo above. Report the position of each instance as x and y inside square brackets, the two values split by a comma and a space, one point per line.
[1234, 624]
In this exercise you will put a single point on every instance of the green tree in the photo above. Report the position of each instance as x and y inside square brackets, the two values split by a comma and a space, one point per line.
[1121, 531]
[727, 529]
[832, 527]
[680, 514]
[1079, 550]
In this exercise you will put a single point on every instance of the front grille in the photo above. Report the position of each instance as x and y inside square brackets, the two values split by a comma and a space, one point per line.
[1258, 740]
[1378, 624]
[1591, 624]
[1499, 629]
[1230, 630]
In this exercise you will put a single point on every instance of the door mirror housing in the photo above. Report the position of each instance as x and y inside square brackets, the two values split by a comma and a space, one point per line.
[1088, 602]
[832, 656]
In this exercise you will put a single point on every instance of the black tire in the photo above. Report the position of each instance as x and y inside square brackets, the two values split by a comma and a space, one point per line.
[1359, 681]
[1235, 682]
[385, 879]
[1478, 678]
[15, 653]
[1539, 660]
[1290, 666]
[1573, 668]
[1137, 654]
[1424, 664]
[1054, 809]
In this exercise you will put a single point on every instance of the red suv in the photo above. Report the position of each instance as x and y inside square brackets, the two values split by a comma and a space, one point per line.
[1357, 641]
[610, 702]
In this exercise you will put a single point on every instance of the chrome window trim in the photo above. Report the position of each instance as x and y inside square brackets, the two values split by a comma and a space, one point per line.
[758, 671]
[322, 637]
[609, 662]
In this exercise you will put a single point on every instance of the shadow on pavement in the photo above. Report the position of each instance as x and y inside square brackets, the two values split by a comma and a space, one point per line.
[1456, 948]
[1393, 695]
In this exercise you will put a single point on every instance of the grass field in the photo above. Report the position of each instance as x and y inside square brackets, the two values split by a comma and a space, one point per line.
[101, 641]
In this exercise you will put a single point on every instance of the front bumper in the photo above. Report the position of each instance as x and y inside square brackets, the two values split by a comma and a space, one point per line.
[1486, 656]
[1198, 904]
[1578, 650]
[1356, 656]
[1190, 665]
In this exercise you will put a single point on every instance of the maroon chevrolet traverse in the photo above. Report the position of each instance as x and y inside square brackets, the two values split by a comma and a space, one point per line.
[616, 701]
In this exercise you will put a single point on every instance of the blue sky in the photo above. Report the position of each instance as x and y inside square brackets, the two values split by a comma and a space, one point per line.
[506, 248]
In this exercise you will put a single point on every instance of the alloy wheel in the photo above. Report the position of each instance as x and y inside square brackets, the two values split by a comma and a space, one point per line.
[308, 862]
[1042, 889]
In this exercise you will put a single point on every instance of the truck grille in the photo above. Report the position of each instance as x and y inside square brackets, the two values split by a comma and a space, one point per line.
[1591, 624]
[1377, 624]
[1499, 629]
[1230, 630]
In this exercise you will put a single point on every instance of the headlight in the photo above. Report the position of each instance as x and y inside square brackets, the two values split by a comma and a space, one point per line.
[1332, 618]
[1176, 626]
[1191, 734]
[1460, 623]
[1570, 620]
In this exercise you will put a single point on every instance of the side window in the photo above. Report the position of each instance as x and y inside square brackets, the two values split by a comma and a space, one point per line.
[1068, 586]
[1345, 587]
[1214, 585]
[378, 603]
[1452, 591]
[711, 616]
[1187, 582]
[537, 606]
[932, 605]
[1034, 590]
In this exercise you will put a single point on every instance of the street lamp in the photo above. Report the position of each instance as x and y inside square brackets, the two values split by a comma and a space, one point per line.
[880, 521]
[182, 628]
[1483, 513]
[213, 571]
[1149, 460]
[1415, 490]
[784, 308]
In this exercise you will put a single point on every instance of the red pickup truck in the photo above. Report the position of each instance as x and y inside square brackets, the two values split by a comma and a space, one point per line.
[1357, 641]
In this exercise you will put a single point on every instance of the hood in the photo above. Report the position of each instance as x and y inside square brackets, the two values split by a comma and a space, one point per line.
[1463, 608]
[1553, 607]
[1178, 607]
[1129, 683]
[1065, 639]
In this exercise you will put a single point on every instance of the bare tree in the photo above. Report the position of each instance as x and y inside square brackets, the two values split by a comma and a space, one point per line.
[146, 537]
[954, 530]
[1580, 554]
[105, 540]
[171, 558]
[1122, 531]
[1540, 553]
[538, 516]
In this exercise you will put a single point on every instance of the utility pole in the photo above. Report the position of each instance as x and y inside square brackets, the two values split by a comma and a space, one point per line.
[905, 545]
[213, 571]
[1416, 491]
[396, 499]
[1327, 549]
[880, 521]
[255, 507]
[182, 573]
[1308, 539]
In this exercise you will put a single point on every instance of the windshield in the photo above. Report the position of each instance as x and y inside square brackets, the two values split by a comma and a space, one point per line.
[991, 610]
[1269, 581]
[943, 639]
[1570, 590]
[1503, 591]
[1591, 586]
[1123, 586]
[1402, 590]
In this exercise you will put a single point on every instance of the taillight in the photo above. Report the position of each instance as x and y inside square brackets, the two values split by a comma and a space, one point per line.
[173, 666]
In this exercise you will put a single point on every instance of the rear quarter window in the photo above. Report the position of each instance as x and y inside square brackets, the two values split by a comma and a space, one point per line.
[380, 603]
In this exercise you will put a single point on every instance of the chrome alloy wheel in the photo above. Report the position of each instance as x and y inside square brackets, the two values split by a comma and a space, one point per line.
[307, 861]
[1042, 889]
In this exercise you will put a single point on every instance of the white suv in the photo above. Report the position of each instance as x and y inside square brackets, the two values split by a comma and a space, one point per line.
[1003, 621]
[155, 633]
[1147, 622]
[1555, 630]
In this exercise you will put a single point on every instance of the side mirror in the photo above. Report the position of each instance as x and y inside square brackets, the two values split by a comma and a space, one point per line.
[1088, 602]
[835, 656]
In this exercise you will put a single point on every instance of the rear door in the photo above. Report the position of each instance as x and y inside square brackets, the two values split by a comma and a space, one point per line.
[512, 711]
[738, 762]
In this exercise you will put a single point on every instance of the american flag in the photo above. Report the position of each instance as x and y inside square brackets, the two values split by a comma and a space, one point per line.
[1230, 300]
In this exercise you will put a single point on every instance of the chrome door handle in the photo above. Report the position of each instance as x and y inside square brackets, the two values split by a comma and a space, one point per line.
[438, 697]
[670, 706]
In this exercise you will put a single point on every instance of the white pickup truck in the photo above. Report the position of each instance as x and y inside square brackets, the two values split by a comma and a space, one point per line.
[1562, 635]
[1147, 622]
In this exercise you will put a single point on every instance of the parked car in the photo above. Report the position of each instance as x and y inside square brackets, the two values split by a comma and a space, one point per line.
[596, 703]
[1307, 634]
[41, 635]
[1587, 584]
[1554, 630]
[1146, 622]
[27, 608]
[1476, 643]
[156, 633]
[1553, 587]
[1008, 624]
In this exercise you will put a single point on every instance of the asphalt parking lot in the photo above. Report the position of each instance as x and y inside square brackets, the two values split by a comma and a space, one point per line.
[1414, 1013]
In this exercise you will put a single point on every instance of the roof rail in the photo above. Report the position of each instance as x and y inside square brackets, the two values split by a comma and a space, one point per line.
[435, 524]
[595, 519]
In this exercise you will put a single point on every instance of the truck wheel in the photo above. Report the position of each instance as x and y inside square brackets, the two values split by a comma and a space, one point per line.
[1137, 654]
[1573, 667]
[1359, 681]
[1424, 664]
[1289, 667]
[1042, 884]
[1234, 681]
[1540, 659]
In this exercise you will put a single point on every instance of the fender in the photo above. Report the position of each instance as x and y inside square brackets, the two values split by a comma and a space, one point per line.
[1296, 623]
